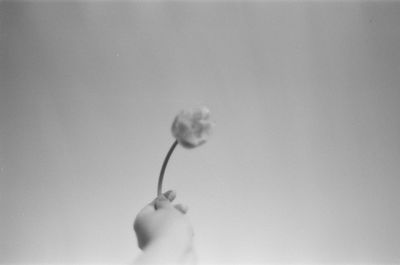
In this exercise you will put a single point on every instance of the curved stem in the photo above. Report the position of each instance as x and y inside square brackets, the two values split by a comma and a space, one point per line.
[164, 166]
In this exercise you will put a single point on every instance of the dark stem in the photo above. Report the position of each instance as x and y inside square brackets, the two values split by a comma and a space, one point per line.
[164, 166]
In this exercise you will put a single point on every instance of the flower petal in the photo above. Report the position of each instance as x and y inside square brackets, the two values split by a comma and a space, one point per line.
[192, 128]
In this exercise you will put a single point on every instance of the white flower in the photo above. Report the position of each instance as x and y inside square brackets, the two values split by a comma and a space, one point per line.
[192, 128]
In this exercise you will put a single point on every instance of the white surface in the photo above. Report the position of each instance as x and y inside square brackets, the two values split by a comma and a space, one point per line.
[304, 163]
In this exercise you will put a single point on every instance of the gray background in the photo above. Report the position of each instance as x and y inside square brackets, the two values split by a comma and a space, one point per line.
[304, 163]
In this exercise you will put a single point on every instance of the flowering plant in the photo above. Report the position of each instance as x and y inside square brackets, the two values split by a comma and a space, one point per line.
[190, 128]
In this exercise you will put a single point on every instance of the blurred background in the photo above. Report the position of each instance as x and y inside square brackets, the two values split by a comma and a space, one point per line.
[304, 163]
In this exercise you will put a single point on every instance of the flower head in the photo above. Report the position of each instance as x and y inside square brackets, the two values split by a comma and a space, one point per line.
[192, 128]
